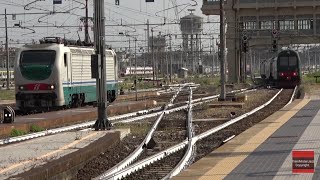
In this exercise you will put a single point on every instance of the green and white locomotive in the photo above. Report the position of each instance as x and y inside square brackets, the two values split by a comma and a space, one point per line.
[56, 74]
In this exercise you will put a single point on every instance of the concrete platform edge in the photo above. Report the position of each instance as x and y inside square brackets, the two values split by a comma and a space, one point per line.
[5, 129]
[67, 166]
[203, 168]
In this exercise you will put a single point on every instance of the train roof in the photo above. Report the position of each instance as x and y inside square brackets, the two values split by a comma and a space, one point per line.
[73, 48]
[288, 51]
[47, 42]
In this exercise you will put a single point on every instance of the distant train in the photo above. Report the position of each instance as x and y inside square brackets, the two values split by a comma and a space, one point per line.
[282, 70]
[3, 75]
[141, 71]
[53, 74]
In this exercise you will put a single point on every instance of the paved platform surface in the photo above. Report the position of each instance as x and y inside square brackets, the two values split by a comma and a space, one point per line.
[21, 157]
[265, 150]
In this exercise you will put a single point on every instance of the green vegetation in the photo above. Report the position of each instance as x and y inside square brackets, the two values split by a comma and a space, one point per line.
[309, 82]
[16, 132]
[204, 80]
[35, 128]
[128, 84]
[198, 79]
[310, 79]
[7, 95]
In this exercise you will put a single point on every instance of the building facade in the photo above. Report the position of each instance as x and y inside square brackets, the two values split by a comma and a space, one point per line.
[264, 22]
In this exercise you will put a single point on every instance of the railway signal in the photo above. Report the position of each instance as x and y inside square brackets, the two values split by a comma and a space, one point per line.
[275, 33]
[245, 43]
[8, 115]
[274, 45]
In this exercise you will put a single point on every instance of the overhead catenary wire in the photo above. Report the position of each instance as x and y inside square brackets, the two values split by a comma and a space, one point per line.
[68, 24]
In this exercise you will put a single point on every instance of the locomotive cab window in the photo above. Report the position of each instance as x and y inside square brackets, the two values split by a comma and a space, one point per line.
[37, 65]
[40, 57]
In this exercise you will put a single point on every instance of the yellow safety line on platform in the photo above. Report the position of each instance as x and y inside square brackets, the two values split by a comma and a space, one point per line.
[227, 164]
[13, 166]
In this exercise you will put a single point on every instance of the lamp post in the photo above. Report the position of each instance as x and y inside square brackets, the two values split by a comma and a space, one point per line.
[155, 65]
[142, 51]
[135, 62]
[170, 60]
[7, 52]
[152, 51]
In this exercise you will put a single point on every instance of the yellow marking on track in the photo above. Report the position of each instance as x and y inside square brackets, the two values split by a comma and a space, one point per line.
[13, 166]
[232, 160]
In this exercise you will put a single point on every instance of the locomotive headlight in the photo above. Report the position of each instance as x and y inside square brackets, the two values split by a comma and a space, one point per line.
[51, 87]
[21, 88]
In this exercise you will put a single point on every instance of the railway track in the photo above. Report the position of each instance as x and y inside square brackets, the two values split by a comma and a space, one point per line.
[125, 118]
[171, 161]
[198, 101]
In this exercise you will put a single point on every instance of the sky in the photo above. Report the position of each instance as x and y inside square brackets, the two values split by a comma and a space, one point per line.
[67, 24]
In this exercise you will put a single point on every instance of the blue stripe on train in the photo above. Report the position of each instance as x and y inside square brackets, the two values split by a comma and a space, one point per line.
[87, 82]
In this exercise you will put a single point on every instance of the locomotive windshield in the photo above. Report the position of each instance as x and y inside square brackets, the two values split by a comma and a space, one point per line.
[37, 65]
[288, 61]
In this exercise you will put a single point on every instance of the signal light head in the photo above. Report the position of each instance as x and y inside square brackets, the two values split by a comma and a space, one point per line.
[244, 38]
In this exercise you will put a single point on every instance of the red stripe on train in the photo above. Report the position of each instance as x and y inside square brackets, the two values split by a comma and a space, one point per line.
[36, 87]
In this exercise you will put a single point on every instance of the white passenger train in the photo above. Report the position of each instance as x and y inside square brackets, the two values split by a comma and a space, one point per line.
[141, 71]
[3, 74]
[53, 74]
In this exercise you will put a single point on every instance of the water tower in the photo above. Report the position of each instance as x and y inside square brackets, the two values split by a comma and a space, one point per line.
[191, 28]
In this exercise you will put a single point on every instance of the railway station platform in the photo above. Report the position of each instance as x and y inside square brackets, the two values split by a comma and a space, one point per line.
[66, 152]
[265, 151]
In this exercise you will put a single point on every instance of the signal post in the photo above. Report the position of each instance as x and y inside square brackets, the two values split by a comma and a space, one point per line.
[245, 49]
[274, 34]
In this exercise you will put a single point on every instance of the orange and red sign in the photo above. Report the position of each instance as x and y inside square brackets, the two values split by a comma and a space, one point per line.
[302, 161]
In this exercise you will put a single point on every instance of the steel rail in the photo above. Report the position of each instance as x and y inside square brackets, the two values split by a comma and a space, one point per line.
[292, 96]
[114, 118]
[196, 102]
[188, 154]
[139, 165]
[137, 152]
[224, 125]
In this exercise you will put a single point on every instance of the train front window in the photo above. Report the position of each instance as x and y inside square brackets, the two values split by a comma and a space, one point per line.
[42, 58]
[37, 65]
[283, 61]
[292, 61]
[288, 61]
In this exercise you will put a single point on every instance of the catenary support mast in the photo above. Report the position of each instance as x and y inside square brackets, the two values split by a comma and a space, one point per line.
[102, 122]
